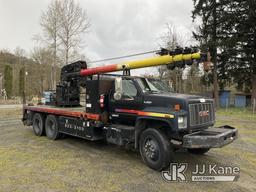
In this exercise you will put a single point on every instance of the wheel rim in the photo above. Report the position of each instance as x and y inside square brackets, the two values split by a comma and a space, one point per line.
[151, 149]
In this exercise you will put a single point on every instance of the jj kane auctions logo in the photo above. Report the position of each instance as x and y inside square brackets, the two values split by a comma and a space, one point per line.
[200, 173]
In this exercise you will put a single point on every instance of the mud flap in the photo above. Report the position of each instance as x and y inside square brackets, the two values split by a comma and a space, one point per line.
[27, 117]
[211, 138]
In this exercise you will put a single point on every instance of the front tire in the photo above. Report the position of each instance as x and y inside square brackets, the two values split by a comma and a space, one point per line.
[155, 149]
[199, 151]
[38, 124]
[51, 127]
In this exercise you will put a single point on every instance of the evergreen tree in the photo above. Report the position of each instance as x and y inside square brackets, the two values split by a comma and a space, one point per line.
[209, 33]
[8, 80]
[235, 40]
[244, 73]
[21, 81]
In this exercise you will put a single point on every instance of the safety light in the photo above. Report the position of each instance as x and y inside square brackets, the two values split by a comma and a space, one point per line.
[182, 122]
[102, 97]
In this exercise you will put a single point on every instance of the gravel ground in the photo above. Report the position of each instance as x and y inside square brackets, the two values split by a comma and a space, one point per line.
[30, 163]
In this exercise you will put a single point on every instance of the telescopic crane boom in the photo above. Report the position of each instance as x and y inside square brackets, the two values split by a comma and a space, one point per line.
[149, 62]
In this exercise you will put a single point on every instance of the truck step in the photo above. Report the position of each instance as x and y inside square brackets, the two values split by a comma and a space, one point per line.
[121, 127]
[121, 135]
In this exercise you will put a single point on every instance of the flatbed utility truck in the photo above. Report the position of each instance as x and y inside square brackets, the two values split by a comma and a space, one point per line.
[134, 112]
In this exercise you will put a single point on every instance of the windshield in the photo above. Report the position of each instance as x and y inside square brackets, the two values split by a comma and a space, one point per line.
[154, 85]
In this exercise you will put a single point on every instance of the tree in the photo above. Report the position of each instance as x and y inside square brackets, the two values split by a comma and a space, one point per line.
[73, 23]
[8, 77]
[171, 39]
[1, 82]
[248, 29]
[50, 23]
[237, 44]
[42, 57]
[19, 67]
[21, 81]
[63, 23]
[193, 77]
[235, 39]
[243, 70]
[209, 32]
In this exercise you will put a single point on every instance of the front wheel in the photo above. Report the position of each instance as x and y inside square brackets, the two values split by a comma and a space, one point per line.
[155, 149]
[199, 151]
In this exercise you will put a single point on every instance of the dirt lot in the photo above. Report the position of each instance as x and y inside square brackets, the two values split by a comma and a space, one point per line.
[30, 163]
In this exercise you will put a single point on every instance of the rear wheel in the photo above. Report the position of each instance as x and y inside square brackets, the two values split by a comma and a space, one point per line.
[51, 127]
[199, 151]
[155, 149]
[38, 124]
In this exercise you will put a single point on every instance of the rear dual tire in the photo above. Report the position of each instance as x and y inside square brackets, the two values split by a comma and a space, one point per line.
[51, 128]
[38, 124]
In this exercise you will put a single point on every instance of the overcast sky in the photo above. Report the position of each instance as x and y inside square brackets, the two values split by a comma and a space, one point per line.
[118, 27]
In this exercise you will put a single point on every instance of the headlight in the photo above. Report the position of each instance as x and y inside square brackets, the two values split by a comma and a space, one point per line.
[182, 122]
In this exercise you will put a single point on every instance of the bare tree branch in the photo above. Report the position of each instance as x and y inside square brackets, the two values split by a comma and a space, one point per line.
[74, 23]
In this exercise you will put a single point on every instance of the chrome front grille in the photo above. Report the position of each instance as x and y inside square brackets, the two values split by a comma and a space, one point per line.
[201, 114]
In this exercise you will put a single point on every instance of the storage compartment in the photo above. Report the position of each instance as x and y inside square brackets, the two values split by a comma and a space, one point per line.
[94, 88]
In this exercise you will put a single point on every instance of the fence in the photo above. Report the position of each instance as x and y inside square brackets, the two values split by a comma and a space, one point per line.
[230, 103]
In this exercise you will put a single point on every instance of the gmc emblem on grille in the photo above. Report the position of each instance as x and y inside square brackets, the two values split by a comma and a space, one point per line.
[203, 113]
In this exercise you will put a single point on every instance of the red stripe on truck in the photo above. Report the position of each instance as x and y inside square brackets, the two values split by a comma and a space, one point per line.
[63, 112]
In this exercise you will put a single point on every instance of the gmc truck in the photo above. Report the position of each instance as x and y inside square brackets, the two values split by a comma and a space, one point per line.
[138, 113]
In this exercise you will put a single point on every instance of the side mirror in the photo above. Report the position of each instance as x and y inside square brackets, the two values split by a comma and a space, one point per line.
[118, 88]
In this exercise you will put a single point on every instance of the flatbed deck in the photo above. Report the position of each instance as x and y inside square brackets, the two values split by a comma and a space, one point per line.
[64, 111]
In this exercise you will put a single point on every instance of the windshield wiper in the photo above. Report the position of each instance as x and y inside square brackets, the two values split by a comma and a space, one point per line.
[152, 91]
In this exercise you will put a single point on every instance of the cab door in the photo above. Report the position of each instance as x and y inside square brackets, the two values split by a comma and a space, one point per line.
[125, 110]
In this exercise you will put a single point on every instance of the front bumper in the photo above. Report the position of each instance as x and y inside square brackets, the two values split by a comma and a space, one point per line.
[211, 137]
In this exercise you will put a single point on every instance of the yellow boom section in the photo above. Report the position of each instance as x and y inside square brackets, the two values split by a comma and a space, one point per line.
[155, 61]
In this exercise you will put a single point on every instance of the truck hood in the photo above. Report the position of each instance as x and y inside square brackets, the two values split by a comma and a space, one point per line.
[177, 95]
[165, 103]
[168, 100]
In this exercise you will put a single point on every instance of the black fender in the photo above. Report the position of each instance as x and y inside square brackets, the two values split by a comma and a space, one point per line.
[144, 122]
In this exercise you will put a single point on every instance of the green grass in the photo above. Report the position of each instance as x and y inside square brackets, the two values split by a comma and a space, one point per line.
[246, 113]
[10, 113]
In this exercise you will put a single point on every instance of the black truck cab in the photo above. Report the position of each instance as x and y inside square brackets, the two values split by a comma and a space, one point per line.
[132, 99]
